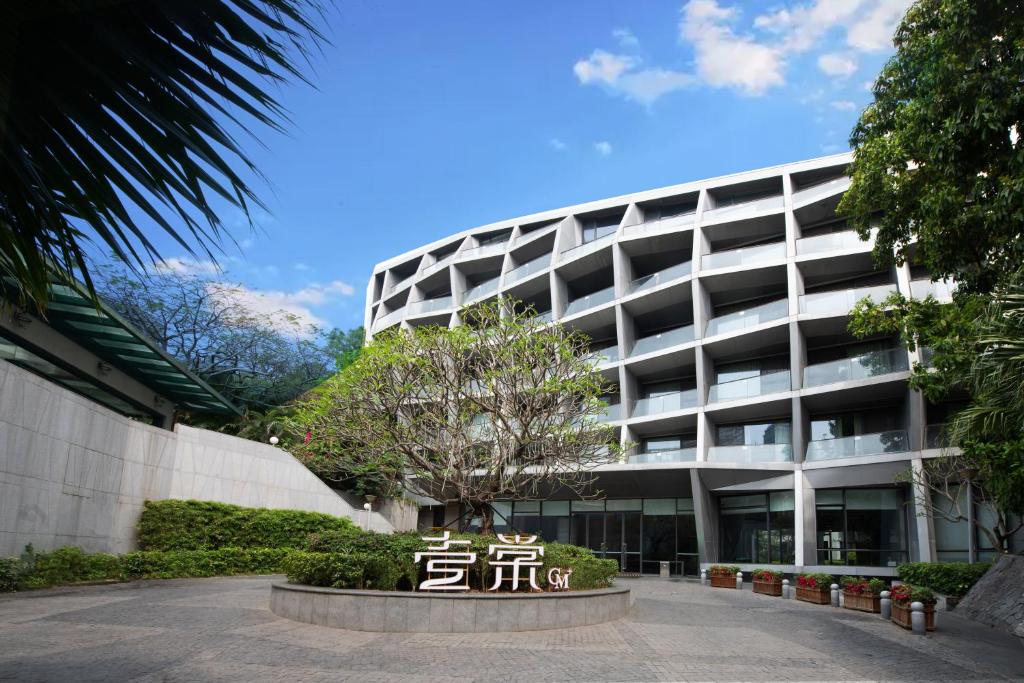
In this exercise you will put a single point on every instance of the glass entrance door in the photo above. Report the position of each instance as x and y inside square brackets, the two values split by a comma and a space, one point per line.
[611, 535]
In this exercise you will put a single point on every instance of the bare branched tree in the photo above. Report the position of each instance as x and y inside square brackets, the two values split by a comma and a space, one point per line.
[503, 407]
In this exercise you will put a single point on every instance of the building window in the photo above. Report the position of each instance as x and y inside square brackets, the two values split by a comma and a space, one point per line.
[953, 539]
[754, 434]
[865, 527]
[758, 528]
[596, 228]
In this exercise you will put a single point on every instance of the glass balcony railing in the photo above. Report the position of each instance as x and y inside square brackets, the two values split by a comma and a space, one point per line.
[529, 268]
[750, 387]
[438, 266]
[535, 234]
[592, 300]
[611, 413]
[744, 256]
[866, 365]
[936, 436]
[941, 290]
[402, 283]
[841, 300]
[820, 191]
[481, 290]
[665, 404]
[833, 241]
[747, 318]
[483, 251]
[440, 303]
[658, 224]
[745, 209]
[768, 452]
[655, 457]
[609, 354]
[894, 441]
[388, 320]
[662, 340]
[661, 277]
[587, 247]
[544, 317]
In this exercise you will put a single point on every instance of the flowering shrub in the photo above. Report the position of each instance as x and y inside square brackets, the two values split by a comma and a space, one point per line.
[818, 582]
[722, 570]
[767, 576]
[860, 586]
[908, 593]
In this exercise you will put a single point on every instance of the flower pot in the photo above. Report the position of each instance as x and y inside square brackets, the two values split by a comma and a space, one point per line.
[723, 581]
[819, 596]
[864, 602]
[768, 588]
[901, 615]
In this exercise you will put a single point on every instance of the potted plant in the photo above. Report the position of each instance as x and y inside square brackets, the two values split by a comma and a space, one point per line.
[722, 576]
[814, 588]
[768, 582]
[862, 594]
[904, 594]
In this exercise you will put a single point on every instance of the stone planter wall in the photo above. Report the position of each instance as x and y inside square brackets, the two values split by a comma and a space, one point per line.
[411, 612]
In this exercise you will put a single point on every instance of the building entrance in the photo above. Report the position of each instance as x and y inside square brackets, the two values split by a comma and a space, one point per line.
[611, 535]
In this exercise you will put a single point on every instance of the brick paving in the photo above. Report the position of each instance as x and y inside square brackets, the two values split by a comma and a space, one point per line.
[221, 630]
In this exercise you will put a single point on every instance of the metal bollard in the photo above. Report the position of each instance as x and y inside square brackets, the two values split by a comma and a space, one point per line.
[917, 625]
[739, 581]
[835, 595]
[703, 577]
[886, 604]
[785, 589]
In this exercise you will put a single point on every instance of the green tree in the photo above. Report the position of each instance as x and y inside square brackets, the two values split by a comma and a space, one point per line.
[112, 110]
[345, 346]
[503, 407]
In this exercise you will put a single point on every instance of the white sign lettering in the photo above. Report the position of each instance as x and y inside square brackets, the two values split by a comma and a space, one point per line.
[446, 569]
[514, 553]
[558, 578]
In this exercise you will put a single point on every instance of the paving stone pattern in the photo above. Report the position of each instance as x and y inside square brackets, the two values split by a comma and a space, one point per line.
[222, 630]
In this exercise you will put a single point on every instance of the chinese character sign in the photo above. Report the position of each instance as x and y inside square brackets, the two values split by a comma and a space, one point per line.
[515, 553]
[448, 564]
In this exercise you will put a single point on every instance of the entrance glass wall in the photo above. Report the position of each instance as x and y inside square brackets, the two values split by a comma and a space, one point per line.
[757, 528]
[866, 527]
[638, 533]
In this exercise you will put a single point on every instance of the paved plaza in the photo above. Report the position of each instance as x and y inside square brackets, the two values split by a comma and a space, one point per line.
[221, 630]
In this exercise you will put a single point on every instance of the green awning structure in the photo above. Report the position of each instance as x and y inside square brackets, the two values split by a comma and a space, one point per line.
[113, 339]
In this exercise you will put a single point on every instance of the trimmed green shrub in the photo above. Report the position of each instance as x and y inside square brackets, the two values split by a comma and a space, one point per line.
[11, 570]
[66, 565]
[332, 570]
[588, 572]
[202, 525]
[156, 564]
[948, 578]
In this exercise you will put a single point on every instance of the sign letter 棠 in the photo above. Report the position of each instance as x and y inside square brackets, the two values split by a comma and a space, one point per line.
[515, 553]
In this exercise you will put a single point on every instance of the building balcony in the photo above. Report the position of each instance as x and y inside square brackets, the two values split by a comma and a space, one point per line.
[388, 320]
[609, 354]
[662, 340]
[661, 277]
[481, 290]
[751, 387]
[842, 300]
[659, 224]
[483, 251]
[744, 257]
[936, 436]
[941, 290]
[404, 282]
[591, 300]
[820, 191]
[665, 404]
[835, 241]
[587, 247]
[544, 317]
[773, 452]
[735, 212]
[894, 441]
[438, 266]
[749, 317]
[864, 366]
[611, 413]
[527, 269]
[435, 305]
[666, 456]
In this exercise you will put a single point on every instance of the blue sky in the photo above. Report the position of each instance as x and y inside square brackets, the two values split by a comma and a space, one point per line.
[431, 117]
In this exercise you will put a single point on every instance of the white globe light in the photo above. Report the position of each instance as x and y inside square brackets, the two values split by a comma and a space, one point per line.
[274, 440]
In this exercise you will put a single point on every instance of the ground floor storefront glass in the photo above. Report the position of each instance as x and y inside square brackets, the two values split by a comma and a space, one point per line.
[638, 533]
[757, 528]
[865, 527]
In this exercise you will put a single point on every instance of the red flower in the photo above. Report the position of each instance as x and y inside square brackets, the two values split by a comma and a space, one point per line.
[309, 437]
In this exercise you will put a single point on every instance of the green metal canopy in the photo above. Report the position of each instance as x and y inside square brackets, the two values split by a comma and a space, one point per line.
[105, 333]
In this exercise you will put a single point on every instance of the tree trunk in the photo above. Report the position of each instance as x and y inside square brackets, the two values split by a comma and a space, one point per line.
[486, 513]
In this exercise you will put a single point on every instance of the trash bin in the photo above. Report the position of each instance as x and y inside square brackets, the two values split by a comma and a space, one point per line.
[663, 570]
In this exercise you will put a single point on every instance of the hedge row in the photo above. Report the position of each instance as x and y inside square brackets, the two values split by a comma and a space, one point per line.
[201, 525]
[948, 578]
[70, 565]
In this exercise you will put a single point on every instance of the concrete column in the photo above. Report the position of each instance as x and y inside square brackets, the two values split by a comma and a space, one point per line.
[794, 287]
[705, 436]
[705, 370]
[792, 229]
[702, 309]
[459, 286]
[625, 330]
[801, 428]
[634, 216]
[704, 510]
[807, 548]
[799, 515]
[797, 355]
[628, 390]
[914, 414]
[922, 522]
[559, 294]
[903, 279]
[622, 270]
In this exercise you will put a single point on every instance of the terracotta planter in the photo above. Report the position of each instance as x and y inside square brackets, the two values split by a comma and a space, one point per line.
[819, 596]
[768, 588]
[723, 581]
[901, 615]
[863, 602]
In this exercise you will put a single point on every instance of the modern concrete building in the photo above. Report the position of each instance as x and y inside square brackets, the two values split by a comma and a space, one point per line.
[760, 430]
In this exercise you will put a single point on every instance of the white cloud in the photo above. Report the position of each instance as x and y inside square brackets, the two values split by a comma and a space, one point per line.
[625, 37]
[286, 310]
[843, 105]
[801, 27]
[837, 64]
[603, 67]
[725, 59]
[603, 147]
[621, 74]
[245, 243]
[868, 85]
[557, 144]
[186, 266]
[873, 32]
[301, 267]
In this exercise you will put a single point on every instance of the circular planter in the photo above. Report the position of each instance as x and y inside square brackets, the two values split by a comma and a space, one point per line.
[409, 612]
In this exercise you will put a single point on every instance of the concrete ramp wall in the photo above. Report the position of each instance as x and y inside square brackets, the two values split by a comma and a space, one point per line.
[998, 598]
[75, 473]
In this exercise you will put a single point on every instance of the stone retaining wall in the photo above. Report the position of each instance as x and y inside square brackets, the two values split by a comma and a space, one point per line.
[409, 612]
[998, 597]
